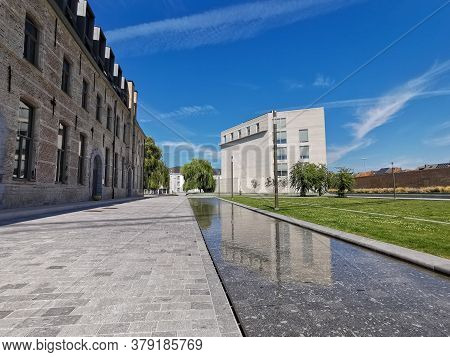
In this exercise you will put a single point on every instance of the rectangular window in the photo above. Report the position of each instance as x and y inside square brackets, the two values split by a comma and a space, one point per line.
[116, 169]
[232, 136]
[304, 136]
[248, 131]
[23, 141]
[281, 137]
[60, 160]
[240, 134]
[282, 170]
[84, 95]
[98, 109]
[282, 154]
[65, 83]
[257, 128]
[81, 155]
[124, 134]
[108, 118]
[224, 138]
[30, 50]
[304, 152]
[280, 123]
[107, 158]
[123, 172]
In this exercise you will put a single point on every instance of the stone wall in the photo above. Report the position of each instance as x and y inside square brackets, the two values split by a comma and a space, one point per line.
[417, 179]
[40, 87]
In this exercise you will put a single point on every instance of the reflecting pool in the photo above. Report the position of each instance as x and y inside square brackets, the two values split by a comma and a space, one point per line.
[284, 280]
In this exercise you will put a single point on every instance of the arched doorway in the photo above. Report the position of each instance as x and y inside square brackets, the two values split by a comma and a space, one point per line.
[130, 182]
[97, 177]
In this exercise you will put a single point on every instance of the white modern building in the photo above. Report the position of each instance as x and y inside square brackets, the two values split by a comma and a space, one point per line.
[247, 150]
[176, 180]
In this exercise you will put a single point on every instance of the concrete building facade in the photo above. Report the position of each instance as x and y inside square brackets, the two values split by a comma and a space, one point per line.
[68, 125]
[247, 150]
[176, 180]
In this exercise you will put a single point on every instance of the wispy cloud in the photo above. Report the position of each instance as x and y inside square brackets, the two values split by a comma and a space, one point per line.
[291, 84]
[226, 24]
[373, 115]
[338, 152]
[392, 103]
[365, 102]
[440, 136]
[439, 141]
[190, 111]
[323, 82]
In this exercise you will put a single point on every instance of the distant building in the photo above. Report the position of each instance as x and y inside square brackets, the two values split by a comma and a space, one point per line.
[249, 146]
[176, 180]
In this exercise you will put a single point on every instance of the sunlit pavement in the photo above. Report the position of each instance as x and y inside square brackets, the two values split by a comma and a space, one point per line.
[133, 269]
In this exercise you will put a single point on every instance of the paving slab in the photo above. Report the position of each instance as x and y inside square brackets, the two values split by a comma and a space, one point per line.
[135, 268]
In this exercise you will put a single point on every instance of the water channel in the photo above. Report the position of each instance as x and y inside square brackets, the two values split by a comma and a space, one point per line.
[283, 280]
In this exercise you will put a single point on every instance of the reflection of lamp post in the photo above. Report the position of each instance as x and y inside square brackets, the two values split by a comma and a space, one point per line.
[393, 178]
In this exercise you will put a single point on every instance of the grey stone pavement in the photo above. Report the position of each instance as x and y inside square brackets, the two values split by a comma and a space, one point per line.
[133, 269]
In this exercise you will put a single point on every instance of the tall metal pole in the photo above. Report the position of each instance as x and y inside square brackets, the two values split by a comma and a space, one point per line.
[275, 166]
[393, 178]
[232, 177]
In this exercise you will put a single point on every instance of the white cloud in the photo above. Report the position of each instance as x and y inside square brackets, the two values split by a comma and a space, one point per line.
[439, 141]
[226, 24]
[323, 82]
[389, 105]
[365, 102]
[337, 152]
[373, 115]
[291, 84]
[190, 111]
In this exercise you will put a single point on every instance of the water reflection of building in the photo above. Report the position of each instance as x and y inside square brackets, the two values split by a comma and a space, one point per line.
[280, 251]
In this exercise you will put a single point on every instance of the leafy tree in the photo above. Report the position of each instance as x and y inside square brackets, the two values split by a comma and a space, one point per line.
[199, 174]
[282, 182]
[254, 184]
[302, 177]
[343, 181]
[156, 174]
[320, 179]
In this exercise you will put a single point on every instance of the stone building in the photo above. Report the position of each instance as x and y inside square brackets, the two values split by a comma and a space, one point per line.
[68, 126]
[247, 150]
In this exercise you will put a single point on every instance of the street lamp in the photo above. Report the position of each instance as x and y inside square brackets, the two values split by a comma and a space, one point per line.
[393, 179]
[364, 162]
[275, 165]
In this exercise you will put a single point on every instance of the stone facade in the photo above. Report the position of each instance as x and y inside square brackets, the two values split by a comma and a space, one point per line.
[100, 106]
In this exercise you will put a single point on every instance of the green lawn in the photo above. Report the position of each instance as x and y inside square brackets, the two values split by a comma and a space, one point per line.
[397, 222]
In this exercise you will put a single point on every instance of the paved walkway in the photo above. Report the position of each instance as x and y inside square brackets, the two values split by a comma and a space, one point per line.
[132, 269]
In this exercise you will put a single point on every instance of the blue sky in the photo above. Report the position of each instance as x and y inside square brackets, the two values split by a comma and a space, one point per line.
[202, 66]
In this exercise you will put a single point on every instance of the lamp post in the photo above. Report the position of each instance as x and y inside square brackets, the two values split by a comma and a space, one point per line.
[232, 178]
[364, 163]
[393, 179]
[275, 165]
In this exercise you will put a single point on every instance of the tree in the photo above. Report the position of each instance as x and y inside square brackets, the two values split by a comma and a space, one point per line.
[320, 179]
[343, 181]
[198, 174]
[302, 177]
[282, 182]
[156, 173]
[254, 184]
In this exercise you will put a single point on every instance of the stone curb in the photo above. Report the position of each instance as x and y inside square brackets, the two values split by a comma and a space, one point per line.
[428, 261]
[17, 215]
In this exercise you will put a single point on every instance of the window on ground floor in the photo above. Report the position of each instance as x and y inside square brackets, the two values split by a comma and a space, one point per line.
[23, 141]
